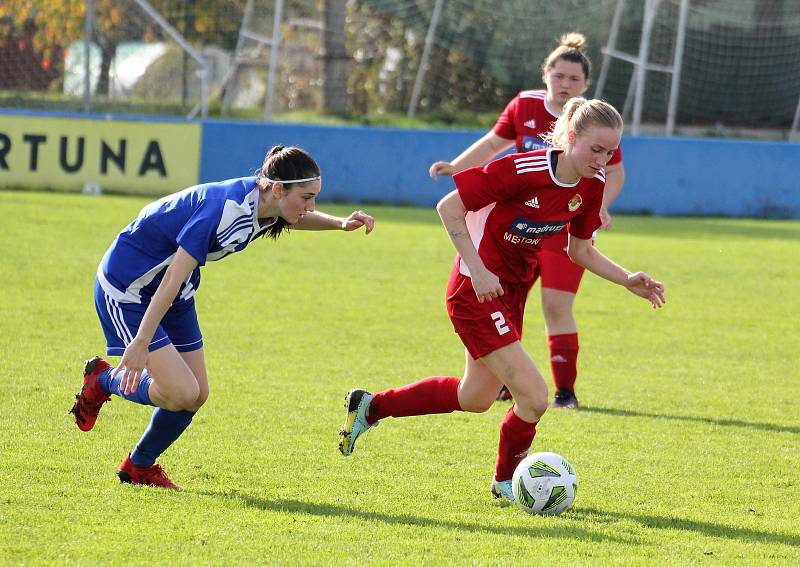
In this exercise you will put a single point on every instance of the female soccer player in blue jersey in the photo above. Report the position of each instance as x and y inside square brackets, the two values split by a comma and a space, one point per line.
[145, 287]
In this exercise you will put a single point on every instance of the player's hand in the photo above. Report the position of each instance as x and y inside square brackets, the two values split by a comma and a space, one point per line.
[605, 218]
[131, 366]
[356, 220]
[643, 285]
[486, 285]
[441, 168]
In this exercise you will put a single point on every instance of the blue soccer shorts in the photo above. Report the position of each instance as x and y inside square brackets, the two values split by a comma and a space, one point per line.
[121, 321]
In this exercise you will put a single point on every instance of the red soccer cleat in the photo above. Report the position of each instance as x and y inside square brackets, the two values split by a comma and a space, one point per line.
[91, 397]
[153, 475]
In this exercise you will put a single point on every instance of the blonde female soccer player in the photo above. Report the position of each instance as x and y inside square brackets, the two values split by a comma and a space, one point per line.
[145, 287]
[526, 121]
[498, 236]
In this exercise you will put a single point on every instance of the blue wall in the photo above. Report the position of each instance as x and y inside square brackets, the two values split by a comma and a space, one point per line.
[665, 176]
[680, 176]
[358, 164]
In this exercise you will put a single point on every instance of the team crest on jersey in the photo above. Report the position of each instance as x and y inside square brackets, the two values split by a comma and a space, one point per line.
[530, 123]
[574, 203]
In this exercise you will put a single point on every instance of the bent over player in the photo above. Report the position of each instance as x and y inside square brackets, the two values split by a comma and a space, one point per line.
[145, 286]
[498, 233]
[527, 120]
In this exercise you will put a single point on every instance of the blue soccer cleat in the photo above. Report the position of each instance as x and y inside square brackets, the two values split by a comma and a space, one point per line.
[502, 490]
[355, 423]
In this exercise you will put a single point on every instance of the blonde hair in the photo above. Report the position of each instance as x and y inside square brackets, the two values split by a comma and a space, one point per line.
[570, 48]
[578, 115]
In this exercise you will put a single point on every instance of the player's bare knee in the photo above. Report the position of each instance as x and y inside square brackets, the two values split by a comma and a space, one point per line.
[556, 313]
[201, 399]
[532, 405]
[477, 404]
[184, 398]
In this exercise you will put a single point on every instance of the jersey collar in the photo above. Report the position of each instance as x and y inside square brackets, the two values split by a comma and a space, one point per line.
[553, 173]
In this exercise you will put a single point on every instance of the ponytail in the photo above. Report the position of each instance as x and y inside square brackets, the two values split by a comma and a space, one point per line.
[578, 115]
[284, 163]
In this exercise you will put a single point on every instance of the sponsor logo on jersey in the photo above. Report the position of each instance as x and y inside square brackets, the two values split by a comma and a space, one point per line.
[524, 227]
[533, 203]
[574, 203]
[531, 143]
[530, 123]
[514, 239]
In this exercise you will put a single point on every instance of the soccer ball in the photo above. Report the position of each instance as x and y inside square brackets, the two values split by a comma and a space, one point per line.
[544, 483]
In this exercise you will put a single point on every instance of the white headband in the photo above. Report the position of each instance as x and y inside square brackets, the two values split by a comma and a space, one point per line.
[288, 181]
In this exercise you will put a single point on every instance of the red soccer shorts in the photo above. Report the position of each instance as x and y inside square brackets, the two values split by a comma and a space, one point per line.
[555, 269]
[488, 326]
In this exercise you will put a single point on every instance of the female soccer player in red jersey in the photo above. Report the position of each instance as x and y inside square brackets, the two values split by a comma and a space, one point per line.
[498, 218]
[525, 121]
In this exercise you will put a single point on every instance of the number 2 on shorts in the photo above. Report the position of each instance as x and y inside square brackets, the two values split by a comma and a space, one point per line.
[500, 323]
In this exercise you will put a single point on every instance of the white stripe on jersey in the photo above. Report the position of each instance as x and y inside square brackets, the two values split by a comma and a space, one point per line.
[533, 94]
[542, 159]
[527, 169]
[131, 295]
[237, 224]
[601, 175]
[476, 223]
[531, 163]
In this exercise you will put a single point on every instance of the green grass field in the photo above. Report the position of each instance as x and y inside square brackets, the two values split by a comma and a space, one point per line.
[687, 448]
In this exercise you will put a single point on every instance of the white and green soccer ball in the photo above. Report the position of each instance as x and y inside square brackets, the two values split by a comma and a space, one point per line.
[544, 483]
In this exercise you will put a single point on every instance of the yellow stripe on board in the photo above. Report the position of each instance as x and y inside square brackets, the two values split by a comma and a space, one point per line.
[38, 152]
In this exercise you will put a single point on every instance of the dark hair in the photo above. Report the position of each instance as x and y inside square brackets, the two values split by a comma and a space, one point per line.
[284, 163]
[570, 48]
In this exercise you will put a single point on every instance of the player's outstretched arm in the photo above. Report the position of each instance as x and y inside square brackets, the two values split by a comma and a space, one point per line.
[477, 154]
[317, 220]
[583, 253]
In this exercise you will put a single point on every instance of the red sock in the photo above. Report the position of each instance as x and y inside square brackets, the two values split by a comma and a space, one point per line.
[437, 394]
[516, 436]
[564, 360]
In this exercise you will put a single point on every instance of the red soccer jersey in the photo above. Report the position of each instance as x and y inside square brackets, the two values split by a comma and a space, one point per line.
[527, 118]
[515, 202]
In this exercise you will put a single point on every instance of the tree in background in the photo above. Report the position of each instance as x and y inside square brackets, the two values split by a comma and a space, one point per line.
[58, 23]
[21, 66]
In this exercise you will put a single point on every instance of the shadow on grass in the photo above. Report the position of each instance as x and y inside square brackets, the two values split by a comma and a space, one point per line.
[331, 510]
[709, 420]
[703, 528]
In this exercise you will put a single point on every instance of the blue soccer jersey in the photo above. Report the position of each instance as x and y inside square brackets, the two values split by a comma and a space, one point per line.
[208, 221]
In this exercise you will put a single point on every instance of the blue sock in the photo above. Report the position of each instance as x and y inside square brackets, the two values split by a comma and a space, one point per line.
[165, 427]
[141, 395]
